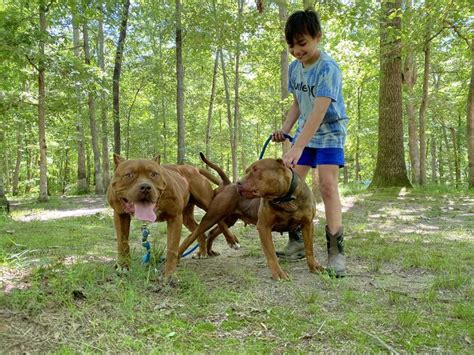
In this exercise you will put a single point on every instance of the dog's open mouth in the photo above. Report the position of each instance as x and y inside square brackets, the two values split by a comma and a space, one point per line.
[143, 210]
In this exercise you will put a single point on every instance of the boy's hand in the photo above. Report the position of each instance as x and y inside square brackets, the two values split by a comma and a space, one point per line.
[291, 157]
[278, 136]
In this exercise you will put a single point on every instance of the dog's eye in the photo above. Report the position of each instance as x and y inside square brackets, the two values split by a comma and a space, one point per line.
[129, 175]
[154, 174]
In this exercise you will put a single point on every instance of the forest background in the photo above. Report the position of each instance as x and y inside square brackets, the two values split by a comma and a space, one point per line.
[82, 79]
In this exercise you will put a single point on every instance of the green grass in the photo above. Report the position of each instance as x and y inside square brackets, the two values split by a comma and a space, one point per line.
[411, 287]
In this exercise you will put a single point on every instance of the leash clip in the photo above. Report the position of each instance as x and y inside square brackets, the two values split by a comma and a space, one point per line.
[146, 243]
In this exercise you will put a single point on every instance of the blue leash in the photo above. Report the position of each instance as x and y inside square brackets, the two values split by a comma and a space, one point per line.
[287, 136]
[147, 245]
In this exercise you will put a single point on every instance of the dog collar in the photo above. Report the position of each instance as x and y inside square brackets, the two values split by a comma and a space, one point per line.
[289, 195]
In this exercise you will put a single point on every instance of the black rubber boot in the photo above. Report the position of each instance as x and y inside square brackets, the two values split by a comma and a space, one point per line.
[336, 258]
[294, 250]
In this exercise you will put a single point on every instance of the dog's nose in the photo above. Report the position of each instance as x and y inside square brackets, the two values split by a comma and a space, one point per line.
[145, 187]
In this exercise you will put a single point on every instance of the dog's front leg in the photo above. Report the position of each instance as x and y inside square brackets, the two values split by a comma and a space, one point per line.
[122, 230]
[265, 234]
[313, 265]
[174, 226]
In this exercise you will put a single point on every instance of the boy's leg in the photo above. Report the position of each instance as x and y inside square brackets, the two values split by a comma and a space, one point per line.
[294, 250]
[328, 176]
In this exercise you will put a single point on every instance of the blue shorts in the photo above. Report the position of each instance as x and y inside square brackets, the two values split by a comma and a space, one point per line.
[322, 156]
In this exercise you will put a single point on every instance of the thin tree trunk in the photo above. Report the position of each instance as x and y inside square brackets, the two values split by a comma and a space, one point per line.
[229, 116]
[441, 164]
[103, 104]
[43, 164]
[211, 105]
[283, 15]
[457, 163]
[358, 130]
[449, 155]
[422, 113]
[390, 168]
[65, 178]
[470, 122]
[409, 76]
[16, 174]
[4, 204]
[129, 114]
[81, 154]
[237, 118]
[99, 188]
[180, 85]
[434, 170]
[116, 76]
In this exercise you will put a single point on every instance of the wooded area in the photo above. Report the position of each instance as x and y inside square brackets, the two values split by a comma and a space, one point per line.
[82, 79]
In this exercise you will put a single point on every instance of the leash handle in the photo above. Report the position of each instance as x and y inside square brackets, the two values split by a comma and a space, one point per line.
[287, 136]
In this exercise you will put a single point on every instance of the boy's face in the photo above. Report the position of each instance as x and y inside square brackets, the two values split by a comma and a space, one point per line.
[305, 48]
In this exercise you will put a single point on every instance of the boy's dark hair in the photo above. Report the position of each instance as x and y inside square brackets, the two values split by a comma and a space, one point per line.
[300, 23]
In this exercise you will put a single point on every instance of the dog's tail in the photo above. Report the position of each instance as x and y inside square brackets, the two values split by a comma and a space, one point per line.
[209, 176]
[222, 174]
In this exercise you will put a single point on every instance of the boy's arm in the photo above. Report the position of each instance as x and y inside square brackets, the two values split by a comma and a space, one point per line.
[291, 117]
[320, 106]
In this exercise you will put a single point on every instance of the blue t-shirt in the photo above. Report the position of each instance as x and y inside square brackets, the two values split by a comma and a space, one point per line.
[322, 78]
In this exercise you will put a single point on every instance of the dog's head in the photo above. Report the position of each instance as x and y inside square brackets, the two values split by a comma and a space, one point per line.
[265, 178]
[137, 185]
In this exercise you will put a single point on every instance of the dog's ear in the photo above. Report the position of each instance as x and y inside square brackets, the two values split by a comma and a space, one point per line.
[157, 159]
[118, 159]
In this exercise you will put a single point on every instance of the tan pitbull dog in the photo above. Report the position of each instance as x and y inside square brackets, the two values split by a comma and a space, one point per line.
[286, 202]
[154, 192]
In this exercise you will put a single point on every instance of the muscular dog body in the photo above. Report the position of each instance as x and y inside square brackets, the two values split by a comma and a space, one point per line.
[265, 181]
[151, 191]
[286, 203]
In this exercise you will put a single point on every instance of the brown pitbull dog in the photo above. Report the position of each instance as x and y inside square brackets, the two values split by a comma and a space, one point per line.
[286, 203]
[281, 196]
[153, 192]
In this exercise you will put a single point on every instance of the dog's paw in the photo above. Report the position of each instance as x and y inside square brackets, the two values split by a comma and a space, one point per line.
[314, 266]
[278, 275]
[212, 253]
[169, 280]
[121, 270]
[235, 246]
[200, 255]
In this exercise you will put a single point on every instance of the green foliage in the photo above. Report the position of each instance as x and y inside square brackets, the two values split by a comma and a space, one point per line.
[148, 83]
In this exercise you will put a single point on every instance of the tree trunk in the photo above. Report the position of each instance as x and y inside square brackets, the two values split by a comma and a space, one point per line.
[457, 163]
[229, 117]
[211, 105]
[434, 170]
[129, 114]
[422, 114]
[441, 164]
[116, 76]
[237, 118]
[180, 85]
[283, 14]
[81, 154]
[357, 132]
[103, 105]
[43, 164]
[390, 168]
[4, 204]
[470, 122]
[16, 174]
[449, 155]
[99, 188]
[409, 76]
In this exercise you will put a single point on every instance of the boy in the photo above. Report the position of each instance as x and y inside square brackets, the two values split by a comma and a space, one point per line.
[316, 84]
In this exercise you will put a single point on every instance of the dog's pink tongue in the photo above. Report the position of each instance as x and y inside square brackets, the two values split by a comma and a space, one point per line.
[144, 211]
